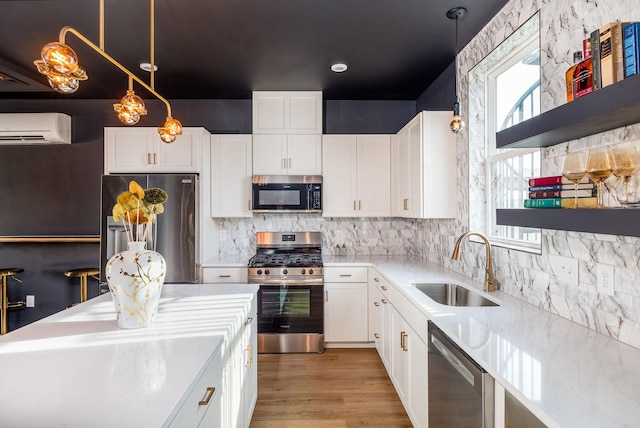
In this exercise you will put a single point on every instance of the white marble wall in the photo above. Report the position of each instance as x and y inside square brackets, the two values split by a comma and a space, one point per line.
[562, 279]
[340, 236]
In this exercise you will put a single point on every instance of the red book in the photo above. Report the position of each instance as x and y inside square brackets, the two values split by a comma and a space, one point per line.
[556, 179]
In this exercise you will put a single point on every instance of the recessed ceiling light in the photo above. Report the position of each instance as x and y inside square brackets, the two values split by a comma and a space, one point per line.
[147, 67]
[338, 67]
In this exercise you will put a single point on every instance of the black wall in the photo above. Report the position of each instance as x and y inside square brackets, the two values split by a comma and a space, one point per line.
[55, 189]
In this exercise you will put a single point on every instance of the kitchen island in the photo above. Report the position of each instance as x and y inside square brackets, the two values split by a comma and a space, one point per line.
[78, 369]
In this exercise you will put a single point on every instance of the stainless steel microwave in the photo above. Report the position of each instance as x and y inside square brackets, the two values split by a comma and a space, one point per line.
[287, 193]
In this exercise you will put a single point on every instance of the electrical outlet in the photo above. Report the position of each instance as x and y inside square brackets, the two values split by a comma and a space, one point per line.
[605, 279]
[31, 301]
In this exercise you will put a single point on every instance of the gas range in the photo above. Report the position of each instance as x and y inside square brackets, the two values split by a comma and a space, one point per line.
[286, 257]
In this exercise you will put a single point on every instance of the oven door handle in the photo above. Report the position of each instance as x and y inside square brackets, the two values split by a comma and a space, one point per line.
[288, 283]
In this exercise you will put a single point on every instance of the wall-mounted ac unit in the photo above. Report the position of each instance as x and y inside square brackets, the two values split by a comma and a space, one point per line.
[35, 128]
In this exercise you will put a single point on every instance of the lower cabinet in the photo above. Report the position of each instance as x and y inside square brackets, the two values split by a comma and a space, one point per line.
[345, 306]
[403, 349]
[224, 275]
[225, 396]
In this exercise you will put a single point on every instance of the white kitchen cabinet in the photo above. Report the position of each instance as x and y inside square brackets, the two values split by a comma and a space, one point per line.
[140, 150]
[231, 170]
[224, 275]
[356, 175]
[287, 155]
[424, 168]
[345, 307]
[287, 112]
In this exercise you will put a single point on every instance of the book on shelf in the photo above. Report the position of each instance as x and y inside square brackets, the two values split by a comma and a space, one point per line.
[595, 58]
[554, 179]
[611, 53]
[562, 194]
[549, 187]
[631, 45]
[591, 202]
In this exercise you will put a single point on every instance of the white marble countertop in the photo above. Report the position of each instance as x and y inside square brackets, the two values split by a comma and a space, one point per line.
[226, 261]
[76, 367]
[567, 374]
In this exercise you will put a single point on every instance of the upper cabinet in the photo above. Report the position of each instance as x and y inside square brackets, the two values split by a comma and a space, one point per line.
[140, 150]
[424, 168]
[356, 175]
[231, 163]
[291, 112]
[287, 155]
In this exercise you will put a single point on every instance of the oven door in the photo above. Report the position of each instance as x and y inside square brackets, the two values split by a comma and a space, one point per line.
[291, 308]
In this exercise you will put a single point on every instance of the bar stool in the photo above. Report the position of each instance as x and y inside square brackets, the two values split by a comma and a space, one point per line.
[5, 304]
[83, 273]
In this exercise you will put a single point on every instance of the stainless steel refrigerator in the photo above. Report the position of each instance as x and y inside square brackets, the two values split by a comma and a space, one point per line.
[177, 227]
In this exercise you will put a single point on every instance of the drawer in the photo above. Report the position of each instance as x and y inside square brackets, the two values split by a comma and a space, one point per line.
[221, 275]
[345, 274]
[207, 390]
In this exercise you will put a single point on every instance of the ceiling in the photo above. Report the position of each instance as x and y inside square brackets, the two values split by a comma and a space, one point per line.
[224, 49]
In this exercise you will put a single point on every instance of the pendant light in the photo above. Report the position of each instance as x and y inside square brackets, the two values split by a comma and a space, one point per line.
[59, 63]
[457, 124]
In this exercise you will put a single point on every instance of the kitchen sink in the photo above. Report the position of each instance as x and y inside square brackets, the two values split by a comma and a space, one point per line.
[453, 295]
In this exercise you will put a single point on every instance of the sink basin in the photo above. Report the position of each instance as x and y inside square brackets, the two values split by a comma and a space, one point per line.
[453, 295]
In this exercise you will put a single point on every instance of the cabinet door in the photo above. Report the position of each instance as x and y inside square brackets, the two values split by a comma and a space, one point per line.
[180, 156]
[387, 331]
[304, 155]
[414, 204]
[250, 381]
[128, 150]
[270, 155]
[287, 112]
[339, 176]
[399, 354]
[231, 170]
[374, 175]
[345, 312]
[305, 112]
[224, 275]
[417, 377]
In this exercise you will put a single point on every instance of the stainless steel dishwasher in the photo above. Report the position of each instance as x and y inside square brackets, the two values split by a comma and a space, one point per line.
[461, 393]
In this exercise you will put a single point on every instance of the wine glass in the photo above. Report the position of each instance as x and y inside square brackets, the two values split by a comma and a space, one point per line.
[574, 168]
[600, 166]
[627, 164]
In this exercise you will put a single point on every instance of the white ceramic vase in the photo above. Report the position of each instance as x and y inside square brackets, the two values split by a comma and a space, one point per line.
[135, 279]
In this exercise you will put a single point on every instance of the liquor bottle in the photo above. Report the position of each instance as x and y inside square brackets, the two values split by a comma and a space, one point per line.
[577, 57]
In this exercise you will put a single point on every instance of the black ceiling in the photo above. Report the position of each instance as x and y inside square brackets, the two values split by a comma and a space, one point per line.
[224, 49]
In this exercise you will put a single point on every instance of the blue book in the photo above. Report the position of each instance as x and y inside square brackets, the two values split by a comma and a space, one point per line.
[631, 40]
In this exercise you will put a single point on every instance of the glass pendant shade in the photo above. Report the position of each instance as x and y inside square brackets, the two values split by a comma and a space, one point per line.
[130, 108]
[63, 84]
[171, 129]
[60, 57]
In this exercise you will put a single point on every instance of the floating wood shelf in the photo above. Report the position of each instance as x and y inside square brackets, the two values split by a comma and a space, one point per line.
[609, 221]
[605, 109]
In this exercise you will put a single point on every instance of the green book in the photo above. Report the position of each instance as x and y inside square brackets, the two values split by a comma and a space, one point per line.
[590, 202]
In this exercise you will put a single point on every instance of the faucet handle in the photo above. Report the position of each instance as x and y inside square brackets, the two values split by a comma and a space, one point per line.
[491, 284]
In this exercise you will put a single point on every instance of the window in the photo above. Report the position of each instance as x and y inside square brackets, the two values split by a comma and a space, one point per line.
[509, 79]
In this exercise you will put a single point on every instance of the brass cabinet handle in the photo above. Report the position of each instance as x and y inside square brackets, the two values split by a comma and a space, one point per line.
[250, 356]
[376, 303]
[383, 301]
[403, 344]
[376, 279]
[383, 287]
[289, 163]
[248, 321]
[406, 204]
[224, 276]
[326, 295]
[284, 163]
[149, 161]
[210, 391]
[354, 205]
[359, 205]
[249, 204]
[345, 275]
[376, 335]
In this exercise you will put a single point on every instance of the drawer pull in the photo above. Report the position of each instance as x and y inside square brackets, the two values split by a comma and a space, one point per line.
[403, 339]
[383, 287]
[376, 335]
[376, 279]
[376, 303]
[345, 275]
[210, 391]
[224, 276]
[383, 301]
[249, 356]
[248, 321]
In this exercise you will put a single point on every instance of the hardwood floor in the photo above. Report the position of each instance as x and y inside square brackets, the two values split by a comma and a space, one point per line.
[338, 389]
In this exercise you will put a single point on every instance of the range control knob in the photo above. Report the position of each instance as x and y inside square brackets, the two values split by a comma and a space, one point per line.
[303, 271]
[266, 271]
[259, 272]
[284, 271]
[310, 271]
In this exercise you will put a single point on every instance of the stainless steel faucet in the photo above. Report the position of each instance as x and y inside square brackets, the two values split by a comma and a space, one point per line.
[490, 282]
